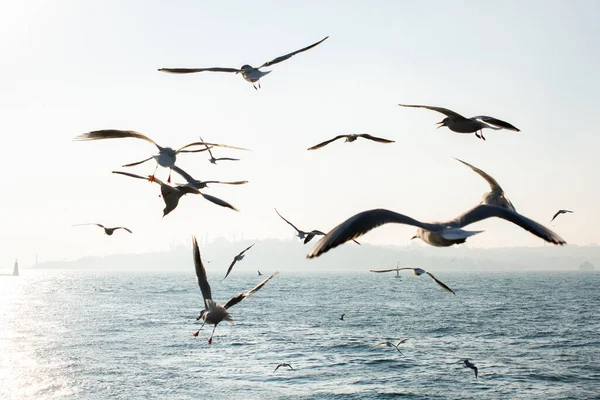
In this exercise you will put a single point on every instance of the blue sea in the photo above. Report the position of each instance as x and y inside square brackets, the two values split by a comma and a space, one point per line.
[127, 335]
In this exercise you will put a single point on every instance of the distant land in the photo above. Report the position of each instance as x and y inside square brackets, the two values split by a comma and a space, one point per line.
[270, 254]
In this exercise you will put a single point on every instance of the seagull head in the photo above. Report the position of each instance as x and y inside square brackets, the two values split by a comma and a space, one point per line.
[443, 122]
[245, 67]
[201, 316]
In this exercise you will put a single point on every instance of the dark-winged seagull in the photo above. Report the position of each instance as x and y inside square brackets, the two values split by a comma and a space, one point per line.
[417, 272]
[351, 138]
[283, 365]
[237, 258]
[390, 344]
[559, 212]
[469, 364]
[213, 312]
[108, 231]
[307, 236]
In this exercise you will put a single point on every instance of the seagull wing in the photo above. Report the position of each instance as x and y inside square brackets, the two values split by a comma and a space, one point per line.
[246, 249]
[194, 70]
[131, 175]
[360, 224]
[137, 162]
[484, 211]
[289, 223]
[122, 227]
[445, 111]
[184, 175]
[402, 341]
[389, 270]
[236, 299]
[226, 159]
[100, 225]
[228, 183]
[312, 234]
[497, 122]
[285, 57]
[208, 144]
[446, 288]
[207, 148]
[325, 143]
[491, 181]
[113, 134]
[217, 201]
[375, 138]
[201, 272]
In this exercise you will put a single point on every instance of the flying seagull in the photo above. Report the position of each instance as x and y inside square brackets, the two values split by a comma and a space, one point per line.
[214, 160]
[259, 274]
[342, 317]
[248, 72]
[307, 236]
[108, 231]
[166, 156]
[439, 234]
[460, 124]
[284, 365]
[172, 194]
[390, 344]
[494, 197]
[418, 272]
[560, 212]
[213, 312]
[195, 183]
[237, 258]
[469, 364]
[351, 138]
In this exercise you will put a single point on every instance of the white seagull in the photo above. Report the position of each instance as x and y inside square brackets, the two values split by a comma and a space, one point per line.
[439, 234]
[237, 258]
[172, 194]
[166, 156]
[494, 197]
[351, 138]
[417, 272]
[560, 212]
[248, 72]
[390, 344]
[460, 124]
[214, 313]
[306, 236]
[214, 160]
[108, 231]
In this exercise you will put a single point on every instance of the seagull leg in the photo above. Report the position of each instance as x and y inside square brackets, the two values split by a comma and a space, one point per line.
[211, 335]
[151, 179]
[197, 332]
[169, 178]
[254, 86]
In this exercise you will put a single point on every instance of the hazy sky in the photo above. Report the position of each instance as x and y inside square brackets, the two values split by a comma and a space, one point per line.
[69, 67]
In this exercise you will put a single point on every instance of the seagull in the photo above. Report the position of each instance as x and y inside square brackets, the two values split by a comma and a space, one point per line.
[342, 317]
[248, 72]
[166, 156]
[460, 124]
[214, 160]
[469, 364]
[108, 231]
[560, 212]
[494, 197]
[237, 258]
[439, 234]
[351, 138]
[284, 365]
[196, 184]
[172, 194]
[307, 236]
[418, 272]
[390, 344]
[259, 274]
[214, 313]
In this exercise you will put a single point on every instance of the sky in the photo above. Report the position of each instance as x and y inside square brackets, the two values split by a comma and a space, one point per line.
[70, 67]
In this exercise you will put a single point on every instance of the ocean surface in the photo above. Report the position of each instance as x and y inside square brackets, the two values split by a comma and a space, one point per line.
[126, 335]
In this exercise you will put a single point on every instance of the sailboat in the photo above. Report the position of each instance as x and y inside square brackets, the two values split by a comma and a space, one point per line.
[15, 270]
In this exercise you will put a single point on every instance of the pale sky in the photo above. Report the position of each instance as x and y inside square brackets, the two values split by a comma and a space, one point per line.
[69, 67]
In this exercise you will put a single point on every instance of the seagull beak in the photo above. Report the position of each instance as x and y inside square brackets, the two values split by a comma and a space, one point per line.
[441, 123]
[414, 237]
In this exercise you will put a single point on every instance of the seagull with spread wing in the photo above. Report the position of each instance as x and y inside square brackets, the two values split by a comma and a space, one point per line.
[284, 365]
[469, 364]
[166, 156]
[172, 194]
[307, 236]
[108, 231]
[494, 197]
[459, 124]
[214, 160]
[213, 312]
[197, 184]
[237, 258]
[417, 272]
[351, 138]
[439, 234]
[559, 212]
[249, 73]
[390, 344]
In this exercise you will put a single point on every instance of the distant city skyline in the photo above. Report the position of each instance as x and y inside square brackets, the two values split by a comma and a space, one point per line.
[71, 67]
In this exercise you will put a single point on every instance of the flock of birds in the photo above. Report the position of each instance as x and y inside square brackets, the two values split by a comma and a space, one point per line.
[441, 234]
